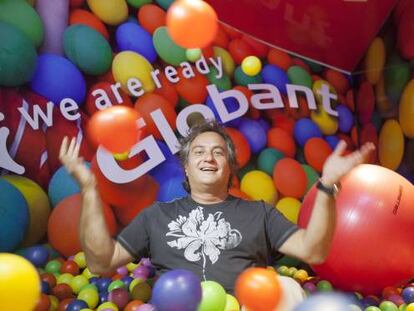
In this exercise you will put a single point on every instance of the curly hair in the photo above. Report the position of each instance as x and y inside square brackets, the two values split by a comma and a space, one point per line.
[202, 127]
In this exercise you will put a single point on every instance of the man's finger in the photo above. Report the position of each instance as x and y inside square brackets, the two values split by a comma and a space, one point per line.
[76, 151]
[63, 146]
[72, 146]
[340, 148]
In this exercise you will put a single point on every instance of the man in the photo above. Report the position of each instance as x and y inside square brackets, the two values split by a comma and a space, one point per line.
[209, 232]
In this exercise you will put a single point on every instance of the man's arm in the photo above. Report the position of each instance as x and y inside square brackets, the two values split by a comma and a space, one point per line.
[102, 253]
[312, 244]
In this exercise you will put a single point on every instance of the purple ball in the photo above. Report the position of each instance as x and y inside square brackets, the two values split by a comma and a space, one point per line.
[345, 118]
[310, 287]
[396, 299]
[141, 272]
[122, 271]
[408, 294]
[146, 262]
[177, 290]
[119, 296]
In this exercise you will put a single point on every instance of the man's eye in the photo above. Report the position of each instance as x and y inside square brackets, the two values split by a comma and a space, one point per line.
[220, 153]
[199, 152]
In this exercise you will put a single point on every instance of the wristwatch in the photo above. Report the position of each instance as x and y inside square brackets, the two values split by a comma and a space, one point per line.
[330, 190]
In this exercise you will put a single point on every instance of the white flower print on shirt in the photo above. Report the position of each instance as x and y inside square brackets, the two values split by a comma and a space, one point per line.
[201, 238]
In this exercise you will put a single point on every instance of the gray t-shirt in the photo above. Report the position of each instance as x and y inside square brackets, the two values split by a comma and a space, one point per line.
[215, 241]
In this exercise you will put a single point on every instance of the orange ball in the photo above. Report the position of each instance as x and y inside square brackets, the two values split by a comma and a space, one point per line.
[43, 304]
[317, 150]
[239, 50]
[151, 102]
[290, 178]
[167, 90]
[192, 23]
[115, 128]
[87, 18]
[282, 141]
[258, 289]
[279, 58]
[151, 17]
[221, 39]
[63, 225]
[241, 145]
[133, 305]
[193, 90]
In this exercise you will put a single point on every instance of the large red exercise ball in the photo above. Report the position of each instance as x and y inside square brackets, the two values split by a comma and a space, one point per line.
[374, 204]
[115, 128]
[150, 102]
[317, 150]
[19, 283]
[63, 226]
[84, 17]
[87, 49]
[289, 178]
[192, 23]
[141, 43]
[258, 289]
[57, 78]
[14, 220]
[111, 12]
[151, 17]
[17, 56]
[177, 290]
[38, 204]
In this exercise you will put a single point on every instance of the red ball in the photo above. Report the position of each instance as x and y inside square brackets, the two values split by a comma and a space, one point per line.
[241, 145]
[119, 296]
[317, 150]
[282, 141]
[115, 128]
[290, 178]
[192, 23]
[49, 278]
[43, 304]
[371, 247]
[62, 291]
[69, 266]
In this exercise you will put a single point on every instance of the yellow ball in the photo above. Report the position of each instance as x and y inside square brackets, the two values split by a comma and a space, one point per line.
[121, 156]
[39, 207]
[251, 65]
[19, 283]
[317, 86]
[259, 186]
[87, 273]
[375, 60]
[226, 59]
[327, 124]
[64, 278]
[406, 115]
[134, 282]
[90, 296]
[410, 307]
[301, 275]
[290, 208]
[107, 305]
[231, 303]
[391, 145]
[111, 12]
[54, 303]
[77, 283]
[131, 266]
[80, 260]
[127, 65]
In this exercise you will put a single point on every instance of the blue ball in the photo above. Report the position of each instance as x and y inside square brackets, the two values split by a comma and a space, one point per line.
[165, 149]
[177, 290]
[231, 104]
[14, 219]
[62, 185]
[265, 124]
[94, 280]
[304, 130]
[277, 76]
[408, 294]
[45, 287]
[332, 141]
[171, 189]
[103, 297]
[37, 255]
[254, 133]
[57, 78]
[77, 305]
[103, 283]
[132, 37]
[345, 119]
[325, 301]
[168, 169]
[127, 280]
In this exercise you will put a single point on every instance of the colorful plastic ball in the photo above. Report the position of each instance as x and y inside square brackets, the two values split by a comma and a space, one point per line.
[106, 306]
[345, 118]
[57, 78]
[37, 255]
[267, 160]
[251, 65]
[231, 303]
[391, 144]
[193, 54]
[76, 305]
[324, 286]
[357, 219]
[19, 283]
[115, 284]
[213, 296]
[332, 141]
[276, 76]
[280, 140]
[317, 151]
[62, 291]
[65, 278]
[133, 37]
[410, 307]
[14, 221]
[388, 306]
[119, 296]
[192, 23]
[241, 146]
[311, 175]
[290, 208]
[17, 56]
[408, 294]
[90, 296]
[146, 307]
[43, 304]
[299, 76]
[87, 18]
[258, 289]
[167, 49]
[304, 130]
[325, 301]
[254, 133]
[177, 290]
[133, 305]
[116, 119]
[151, 17]
[53, 266]
[77, 283]
[80, 260]
[289, 178]
[171, 189]
[112, 12]
[49, 278]
[259, 186]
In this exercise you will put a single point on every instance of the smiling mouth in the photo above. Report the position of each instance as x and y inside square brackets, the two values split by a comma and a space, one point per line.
[208, 169]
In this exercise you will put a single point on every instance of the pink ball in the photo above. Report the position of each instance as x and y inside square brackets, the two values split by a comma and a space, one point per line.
[119, 296]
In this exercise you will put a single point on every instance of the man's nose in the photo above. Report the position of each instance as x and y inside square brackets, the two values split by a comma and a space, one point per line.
[208, 156]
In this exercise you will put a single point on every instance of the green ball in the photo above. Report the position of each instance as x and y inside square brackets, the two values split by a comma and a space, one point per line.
[87, 49]
[299, 76]
[165, 4]
[138, 3]
[193, 54]
[213, 296]
[18, 56]
[283, 270]
[78, 282]
[23, 16]
[166, 48]
[372, 308]
[53, 266]
[388, 306]
[288, 261]
[116, 284]
[396, 76]
[315, 67]
[311, 175]
[223, 84]
[267, 160]
[324, 286]
[241, 78]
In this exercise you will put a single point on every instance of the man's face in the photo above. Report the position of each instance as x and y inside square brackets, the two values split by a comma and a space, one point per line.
[207, 162]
